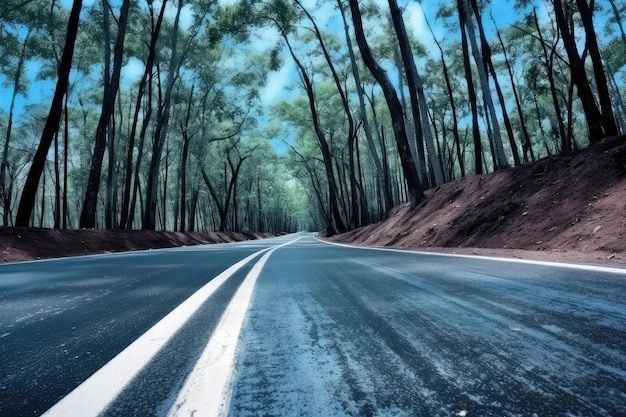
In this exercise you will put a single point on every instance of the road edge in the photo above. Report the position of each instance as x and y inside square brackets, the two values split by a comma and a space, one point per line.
[567, 265]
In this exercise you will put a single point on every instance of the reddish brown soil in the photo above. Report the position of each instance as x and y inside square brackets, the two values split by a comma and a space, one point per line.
[21, 244]
[568, 208]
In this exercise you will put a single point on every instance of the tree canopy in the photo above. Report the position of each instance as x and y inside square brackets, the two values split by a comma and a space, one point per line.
[285, 115]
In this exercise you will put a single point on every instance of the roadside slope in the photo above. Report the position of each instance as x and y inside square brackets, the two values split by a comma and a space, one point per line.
[568, 207]
[21, 244]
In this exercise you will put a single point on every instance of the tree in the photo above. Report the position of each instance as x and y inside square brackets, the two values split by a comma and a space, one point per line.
[608, 119]
[493, 128]
[111, 86]
[414, 188]
[357, 199]
[128, 207]
[416, 91]
[596, 121]
[380, 173]
[29, 191]
[5, 187]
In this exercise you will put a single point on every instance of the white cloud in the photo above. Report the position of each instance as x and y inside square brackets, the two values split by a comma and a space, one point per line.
[276, 83]
[186, 17]
[264, 39]
[133, 70]
[416, 23]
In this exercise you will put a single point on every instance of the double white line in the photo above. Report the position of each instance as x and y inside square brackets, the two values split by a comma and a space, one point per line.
[206, 391]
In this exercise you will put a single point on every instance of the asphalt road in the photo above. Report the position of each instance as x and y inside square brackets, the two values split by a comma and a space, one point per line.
[310, 329]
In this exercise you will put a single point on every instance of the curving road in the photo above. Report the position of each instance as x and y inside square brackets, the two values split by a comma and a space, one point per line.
[293, 326]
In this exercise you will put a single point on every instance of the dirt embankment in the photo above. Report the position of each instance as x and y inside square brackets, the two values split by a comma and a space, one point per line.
[567, 207]
[21, 244]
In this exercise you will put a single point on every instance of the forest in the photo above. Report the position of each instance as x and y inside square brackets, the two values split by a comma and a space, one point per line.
[285, 115]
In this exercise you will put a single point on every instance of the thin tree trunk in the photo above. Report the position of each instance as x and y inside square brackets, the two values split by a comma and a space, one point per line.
[66, 138]
[495, 137]
[549, 58]
[125, 219]
[355, 195]
[6, 189]
[471, 93]
[620, 110]
[162, 128]
[339, 225]
[57, 184]
[419, 106]
[604, 95]
[193, 204]
[29, 191]
[183, 163]
[165, 179]
[527, 146]
[414, 188]
[455, 124]
[88, 214]
[488, 64]
[593, 115]
[388, 197]
[43, 199]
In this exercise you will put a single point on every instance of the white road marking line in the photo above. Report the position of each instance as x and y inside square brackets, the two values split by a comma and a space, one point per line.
[595, 268]
[207, 389]
[93, 396]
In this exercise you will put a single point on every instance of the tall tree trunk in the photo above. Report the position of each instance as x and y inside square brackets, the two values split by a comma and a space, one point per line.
[165, 178]
[126, 213]
[527, 146]
[193, 205]
[57, 184]
[5, 188]
[381, 138]
[455, 124]
[66, 139]
[355, 193]
[419, 106]
[388, 197]
[495, 137]
[140, 147]
[549, 59]
[488, 64]
[29, 191]
[183, 163]
[471, 92]
[414, 188]
[339, 224]
[160, 134]
[42, 212]
[618, 20]
[608, 118]
[593, 115]
[260, 223]
[88, 214]
[620, 109]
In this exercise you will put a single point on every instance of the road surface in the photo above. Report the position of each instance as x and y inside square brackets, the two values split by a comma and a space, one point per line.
[292, 326]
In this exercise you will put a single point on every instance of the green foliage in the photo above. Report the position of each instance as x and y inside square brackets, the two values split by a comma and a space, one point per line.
[224, 117]
[615, 53]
